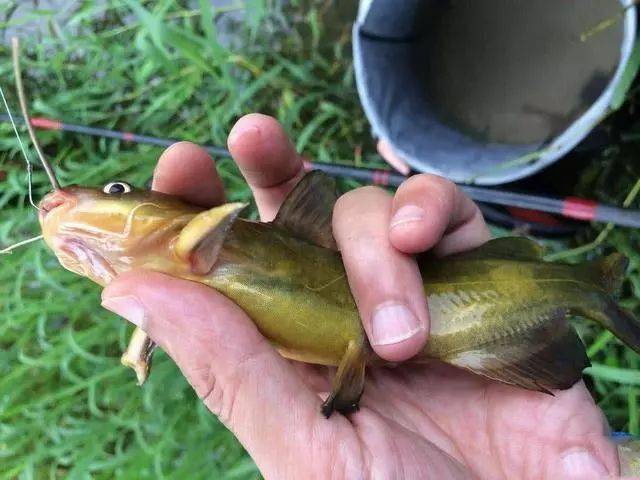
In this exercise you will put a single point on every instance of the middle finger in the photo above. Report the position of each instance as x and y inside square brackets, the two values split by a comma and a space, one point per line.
[267, 159]
[385, 282]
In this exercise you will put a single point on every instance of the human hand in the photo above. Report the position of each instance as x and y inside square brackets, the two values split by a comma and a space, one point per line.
[428, 421]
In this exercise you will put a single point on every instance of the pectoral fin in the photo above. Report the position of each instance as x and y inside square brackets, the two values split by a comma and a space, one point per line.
[348, 383]
[549, 356]
[201, 239]
[139, 354]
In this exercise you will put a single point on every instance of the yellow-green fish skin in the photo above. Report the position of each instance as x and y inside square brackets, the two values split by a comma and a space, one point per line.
[298, 296]
[629, 457]
[477, 301]
[295, 292]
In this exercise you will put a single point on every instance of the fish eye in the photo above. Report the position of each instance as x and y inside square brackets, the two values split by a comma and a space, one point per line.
[115, 188]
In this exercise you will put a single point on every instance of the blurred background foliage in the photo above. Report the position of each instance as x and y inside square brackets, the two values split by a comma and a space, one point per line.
[188, 70]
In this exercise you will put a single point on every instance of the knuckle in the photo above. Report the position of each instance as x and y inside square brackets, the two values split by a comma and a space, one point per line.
[358, 194]
[222, 403]
[436, 182]
[429, 186]
[187, 144]
[212, 396]
[371, 190]
[223, 398]
[359, 198]
[206, 386]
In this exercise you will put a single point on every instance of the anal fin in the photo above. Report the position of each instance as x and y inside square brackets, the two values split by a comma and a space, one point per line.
[549, 356]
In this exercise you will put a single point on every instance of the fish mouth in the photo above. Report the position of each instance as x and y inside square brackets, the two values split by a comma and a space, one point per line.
[77, 256]
[53, 200]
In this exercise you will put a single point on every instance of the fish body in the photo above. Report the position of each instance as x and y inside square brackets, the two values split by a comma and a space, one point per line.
[629, 456]
[479, 303]
[498, 311]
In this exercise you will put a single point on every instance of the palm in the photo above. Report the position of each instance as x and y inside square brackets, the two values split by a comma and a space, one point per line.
[414, 419]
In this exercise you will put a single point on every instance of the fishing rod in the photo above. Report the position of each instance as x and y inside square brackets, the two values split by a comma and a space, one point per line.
[569, 207]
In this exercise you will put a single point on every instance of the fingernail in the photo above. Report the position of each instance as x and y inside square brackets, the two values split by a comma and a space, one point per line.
[407, 214]
[583, 465]
[393, 322]
[174, 145]
[240, 130]
[127, 307]
[392, 158]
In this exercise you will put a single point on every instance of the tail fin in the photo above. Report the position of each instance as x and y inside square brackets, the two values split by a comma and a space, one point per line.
[622, 323]
[608, 272]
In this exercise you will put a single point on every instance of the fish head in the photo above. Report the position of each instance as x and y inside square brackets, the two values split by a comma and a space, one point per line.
[100, 233]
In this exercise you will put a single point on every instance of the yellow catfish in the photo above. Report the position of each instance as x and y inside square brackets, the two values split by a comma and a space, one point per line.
[498, 311]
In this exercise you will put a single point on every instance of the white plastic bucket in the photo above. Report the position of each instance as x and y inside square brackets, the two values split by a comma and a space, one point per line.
[389, 43]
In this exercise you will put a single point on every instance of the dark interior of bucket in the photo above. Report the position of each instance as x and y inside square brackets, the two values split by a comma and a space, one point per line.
[509, 74]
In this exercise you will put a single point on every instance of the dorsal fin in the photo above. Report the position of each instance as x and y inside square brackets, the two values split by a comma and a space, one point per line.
[308, 209]
[514, 248]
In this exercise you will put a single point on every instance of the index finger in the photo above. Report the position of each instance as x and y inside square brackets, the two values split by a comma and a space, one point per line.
[267, 160]
[188, 171]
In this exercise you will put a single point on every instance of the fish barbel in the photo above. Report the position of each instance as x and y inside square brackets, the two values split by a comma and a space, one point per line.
[498, 311]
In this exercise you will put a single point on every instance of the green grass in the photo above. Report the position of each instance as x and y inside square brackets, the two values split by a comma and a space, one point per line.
[67, 408]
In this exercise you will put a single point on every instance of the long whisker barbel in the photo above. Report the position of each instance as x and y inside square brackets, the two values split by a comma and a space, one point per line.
[10, 248]
[15, 49]
[24, 150]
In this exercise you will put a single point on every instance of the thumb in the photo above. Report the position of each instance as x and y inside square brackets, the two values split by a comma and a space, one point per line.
[236, 372]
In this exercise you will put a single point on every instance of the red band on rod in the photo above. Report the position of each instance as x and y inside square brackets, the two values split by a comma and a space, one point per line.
[534, 216]
[46, 123]
[128, 136]
[579, 208]
[380, 177]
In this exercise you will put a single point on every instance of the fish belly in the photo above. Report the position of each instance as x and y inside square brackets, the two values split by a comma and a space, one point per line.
[297, 294]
